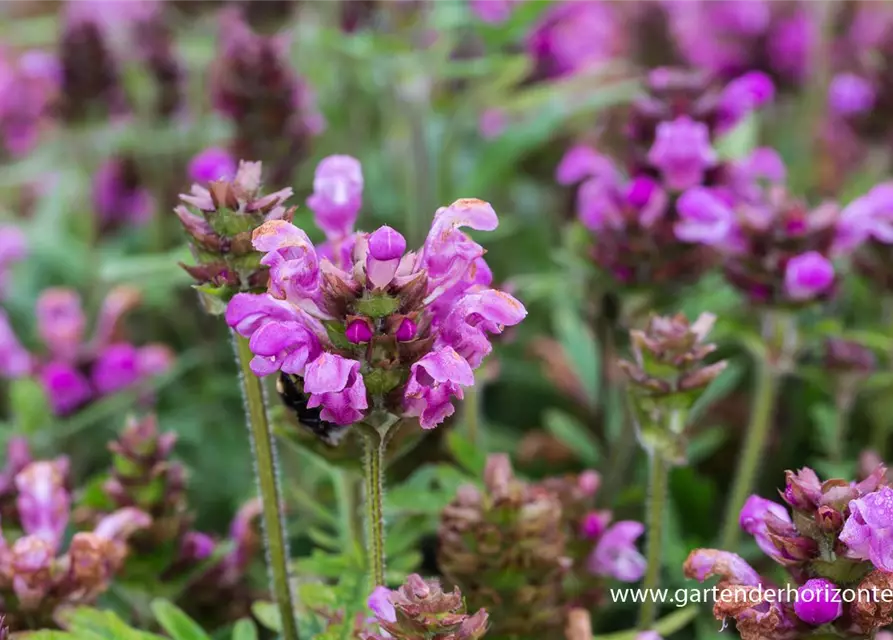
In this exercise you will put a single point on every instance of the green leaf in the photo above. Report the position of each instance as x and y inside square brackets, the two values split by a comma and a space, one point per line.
[267, 613]
[705, 443]
[572, 433]
[824, 417]
[29, 406]
[175, 622]
[437, 482]
[469, 456]
[740, 141]
[244, 629]
[580, 348]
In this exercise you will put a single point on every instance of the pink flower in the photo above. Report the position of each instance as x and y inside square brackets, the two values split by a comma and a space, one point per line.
[474, 316]
[851, 95]
[581, 162]
[61, 323]
[65, 387]
[211, 164]
[615, 554]
[682, 152]
[433, 382]
[577, 35]
[493, 11]
[808, 275]
[868, 532]
[704, 218]
[753, 518]
[335, 384]
[282, 346]
[43, 503]
[337, 195]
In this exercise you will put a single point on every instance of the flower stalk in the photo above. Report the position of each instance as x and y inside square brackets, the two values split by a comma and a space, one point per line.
[780, 332]
[376, 440]
[373, 470]
[266, 474]
[767, 383]
[659, 469]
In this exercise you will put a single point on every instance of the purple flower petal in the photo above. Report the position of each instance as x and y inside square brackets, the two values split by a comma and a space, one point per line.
[682, 152]
[212, 164]
[582, 161]
[433, 381]
[337, 194]
[616, 554]
[336, 385]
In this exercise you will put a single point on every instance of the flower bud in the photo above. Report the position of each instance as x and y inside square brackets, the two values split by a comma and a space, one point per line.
[818, 602]
[829, 519]
[406, 331]
[358, 331]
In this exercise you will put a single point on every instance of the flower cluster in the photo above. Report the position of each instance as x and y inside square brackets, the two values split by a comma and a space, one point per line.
[514, 544]
[98, 39]
[73, 370]
[144, 477]
[13, 249]
[422, 609]
[229, 209]
[28, 86]
[667, 375]
[364, 324]
[777, 251]
[34, 578]
[837, 538]
[272, 107]
[669, 147]
[730, 37]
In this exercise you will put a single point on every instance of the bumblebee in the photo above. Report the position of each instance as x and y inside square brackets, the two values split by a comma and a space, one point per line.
[292, 394]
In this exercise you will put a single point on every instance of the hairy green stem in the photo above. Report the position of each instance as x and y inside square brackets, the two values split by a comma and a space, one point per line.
[266, 468]
[659, 469]
[767, 384]
[374, 477]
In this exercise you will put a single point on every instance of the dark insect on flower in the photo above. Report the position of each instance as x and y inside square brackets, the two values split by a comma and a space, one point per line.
[292, 394]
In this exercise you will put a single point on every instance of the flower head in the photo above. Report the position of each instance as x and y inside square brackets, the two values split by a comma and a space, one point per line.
[420, 608]
[360, 318]
[219, 220]
[273, 109]
[777, 250]
[74, 369]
